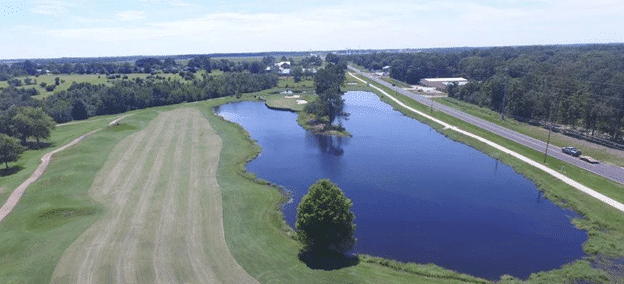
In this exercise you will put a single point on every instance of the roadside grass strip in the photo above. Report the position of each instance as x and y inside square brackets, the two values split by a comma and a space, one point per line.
[585, 189]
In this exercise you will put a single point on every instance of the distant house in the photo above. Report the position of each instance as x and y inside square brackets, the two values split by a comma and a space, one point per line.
[441, 83]
[284, 67]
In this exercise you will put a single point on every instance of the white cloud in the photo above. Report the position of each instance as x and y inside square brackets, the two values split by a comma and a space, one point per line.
[133, 15]
[365, 24]
[51, 7]
[175, 3]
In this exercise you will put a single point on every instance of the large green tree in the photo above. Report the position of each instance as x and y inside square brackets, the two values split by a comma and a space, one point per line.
[330, 103]
[325, 221]
[26, 122]
[10, 149]
[297, 72]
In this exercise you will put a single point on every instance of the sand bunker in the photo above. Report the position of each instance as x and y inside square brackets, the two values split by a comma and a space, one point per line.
[302, 102]
[292, 97]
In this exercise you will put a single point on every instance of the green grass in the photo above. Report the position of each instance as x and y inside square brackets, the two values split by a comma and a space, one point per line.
[30, 159]
[604, 224]
[67, 80]
[289, 83]
[257, 235]
[540, 133]
[56, 209]
[396, 82]
[279, 101]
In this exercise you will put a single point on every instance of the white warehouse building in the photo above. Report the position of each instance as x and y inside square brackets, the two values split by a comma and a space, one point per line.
[441, 83]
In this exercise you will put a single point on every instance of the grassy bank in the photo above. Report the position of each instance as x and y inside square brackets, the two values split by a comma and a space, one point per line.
[601, 153]
[275, 99]
[288, 102]
[56, 209]
[262, 243]
[19, 171]
[604, 224]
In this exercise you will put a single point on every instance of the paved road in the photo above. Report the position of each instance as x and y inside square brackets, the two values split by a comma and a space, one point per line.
[611, 172]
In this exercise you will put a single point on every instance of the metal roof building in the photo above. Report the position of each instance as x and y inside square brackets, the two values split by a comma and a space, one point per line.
[441, 83]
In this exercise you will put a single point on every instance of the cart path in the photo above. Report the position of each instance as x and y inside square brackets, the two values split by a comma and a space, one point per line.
[163, 218]
[615, 204]
[45, 160]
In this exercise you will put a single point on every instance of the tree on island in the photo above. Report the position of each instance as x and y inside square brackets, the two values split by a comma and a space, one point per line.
[325, 222]
[10, 149]
[330, 103]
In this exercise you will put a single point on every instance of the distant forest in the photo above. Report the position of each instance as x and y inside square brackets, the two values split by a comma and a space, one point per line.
[83, 100]
[581, 86]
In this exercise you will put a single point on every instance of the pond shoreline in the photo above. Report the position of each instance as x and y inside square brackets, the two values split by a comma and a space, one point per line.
[276, 181]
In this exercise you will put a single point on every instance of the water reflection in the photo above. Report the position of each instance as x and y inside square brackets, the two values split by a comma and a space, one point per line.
[417, 195]
[331, 145]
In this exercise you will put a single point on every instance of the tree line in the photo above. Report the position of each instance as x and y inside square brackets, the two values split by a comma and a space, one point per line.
[581, 86]
[148, 65]
[83, 100]
[22, 117]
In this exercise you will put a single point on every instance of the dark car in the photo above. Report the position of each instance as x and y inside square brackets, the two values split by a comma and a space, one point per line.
[571, 151]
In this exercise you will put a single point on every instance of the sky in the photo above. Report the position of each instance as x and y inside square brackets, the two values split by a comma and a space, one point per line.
[92, 28]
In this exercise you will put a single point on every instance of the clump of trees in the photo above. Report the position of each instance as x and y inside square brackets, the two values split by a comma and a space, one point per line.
[330, 104]
[324, 220]
[10, 149]
[139, 93]
[24, 122]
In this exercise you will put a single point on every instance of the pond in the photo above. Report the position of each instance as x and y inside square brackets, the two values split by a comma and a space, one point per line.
[418, 196]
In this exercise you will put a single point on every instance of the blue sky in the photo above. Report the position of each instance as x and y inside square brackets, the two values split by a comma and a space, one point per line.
[74, 28]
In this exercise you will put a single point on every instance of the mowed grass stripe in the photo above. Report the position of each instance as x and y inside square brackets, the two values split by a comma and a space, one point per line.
[162, 255]
[194, 237]
[126, 253]
[77, 265]
[163, 220]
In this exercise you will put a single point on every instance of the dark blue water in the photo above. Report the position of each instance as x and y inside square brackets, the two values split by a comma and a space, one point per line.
[418, 196]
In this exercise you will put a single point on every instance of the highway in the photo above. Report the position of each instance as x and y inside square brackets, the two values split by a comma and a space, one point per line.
[611, 172]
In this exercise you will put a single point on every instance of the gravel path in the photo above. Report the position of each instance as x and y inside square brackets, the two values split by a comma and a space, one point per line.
[550, 171]
[45, 160]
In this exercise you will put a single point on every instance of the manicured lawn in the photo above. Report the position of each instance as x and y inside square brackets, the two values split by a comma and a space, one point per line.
[56, 210]
[34, 236]
[280, 101]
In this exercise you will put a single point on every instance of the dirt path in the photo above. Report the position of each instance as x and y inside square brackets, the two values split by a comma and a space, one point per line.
[615, 204]
[45, 160]
[163, 220]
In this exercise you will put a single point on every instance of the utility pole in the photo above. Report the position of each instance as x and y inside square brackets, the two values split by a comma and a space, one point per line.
[547, 143]
[431, 109]
[504, 97]
[550, 128]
